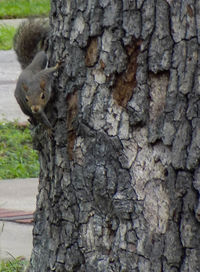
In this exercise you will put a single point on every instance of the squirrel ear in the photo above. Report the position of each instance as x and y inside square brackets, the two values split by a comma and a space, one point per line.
[42, 84]
[25, 87]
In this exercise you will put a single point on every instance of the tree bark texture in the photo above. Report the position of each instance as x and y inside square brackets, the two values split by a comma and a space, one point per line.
[120, 178]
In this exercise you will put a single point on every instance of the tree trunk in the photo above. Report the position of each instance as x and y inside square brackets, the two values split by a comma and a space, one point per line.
[120, 178]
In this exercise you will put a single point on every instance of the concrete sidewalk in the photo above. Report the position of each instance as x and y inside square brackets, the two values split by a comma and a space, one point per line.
[9, 72]
[19, 196]
[11, 22]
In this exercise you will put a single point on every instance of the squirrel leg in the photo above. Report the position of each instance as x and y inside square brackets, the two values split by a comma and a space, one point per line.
[45, 120]
[54, 68]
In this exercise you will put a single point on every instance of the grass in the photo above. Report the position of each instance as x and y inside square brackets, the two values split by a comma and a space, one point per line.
[15, 265]
[19, 9]
[17, 158]
[23, 8]
[6, 37]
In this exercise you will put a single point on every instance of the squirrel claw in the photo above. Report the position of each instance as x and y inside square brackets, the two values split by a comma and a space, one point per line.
[60, 62]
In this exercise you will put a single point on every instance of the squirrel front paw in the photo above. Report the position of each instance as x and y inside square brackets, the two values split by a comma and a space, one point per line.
[60, 62]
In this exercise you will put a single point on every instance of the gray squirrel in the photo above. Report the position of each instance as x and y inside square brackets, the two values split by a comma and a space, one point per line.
[33, 89]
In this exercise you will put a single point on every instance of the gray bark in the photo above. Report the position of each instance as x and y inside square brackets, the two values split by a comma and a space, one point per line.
[120, 179]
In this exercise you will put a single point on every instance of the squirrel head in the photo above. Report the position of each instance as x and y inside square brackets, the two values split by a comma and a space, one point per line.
[37, 95]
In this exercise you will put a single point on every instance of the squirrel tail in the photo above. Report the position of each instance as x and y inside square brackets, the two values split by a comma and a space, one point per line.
[30, 38]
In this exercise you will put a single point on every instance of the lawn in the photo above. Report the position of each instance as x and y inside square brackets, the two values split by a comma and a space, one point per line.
[15, 265]
[6, 36]
[23, 8]
[17, 157]
[19, 9]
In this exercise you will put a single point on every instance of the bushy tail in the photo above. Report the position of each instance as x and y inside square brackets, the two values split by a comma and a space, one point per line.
[31, 37]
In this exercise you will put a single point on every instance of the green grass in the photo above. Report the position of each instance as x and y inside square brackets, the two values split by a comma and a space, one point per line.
[6, 37]
[17, 158]
[19, 9]
[23, 8]
[15, 265]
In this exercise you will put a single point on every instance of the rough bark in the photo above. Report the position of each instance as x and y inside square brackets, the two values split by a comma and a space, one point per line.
[120, 179]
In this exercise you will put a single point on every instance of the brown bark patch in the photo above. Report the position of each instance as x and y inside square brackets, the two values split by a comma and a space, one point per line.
[72, 111]
[126, 81]
[102, 64]
[92, 53]
[190, 11]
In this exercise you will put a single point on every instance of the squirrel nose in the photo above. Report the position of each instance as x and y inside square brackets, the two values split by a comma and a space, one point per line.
[35, 109]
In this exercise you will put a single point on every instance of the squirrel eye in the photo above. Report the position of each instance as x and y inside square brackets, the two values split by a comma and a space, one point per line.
[42, 96]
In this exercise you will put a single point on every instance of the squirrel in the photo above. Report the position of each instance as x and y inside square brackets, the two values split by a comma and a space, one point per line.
[33, 89]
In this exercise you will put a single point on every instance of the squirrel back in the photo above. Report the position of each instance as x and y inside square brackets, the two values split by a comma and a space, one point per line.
[33, 88]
